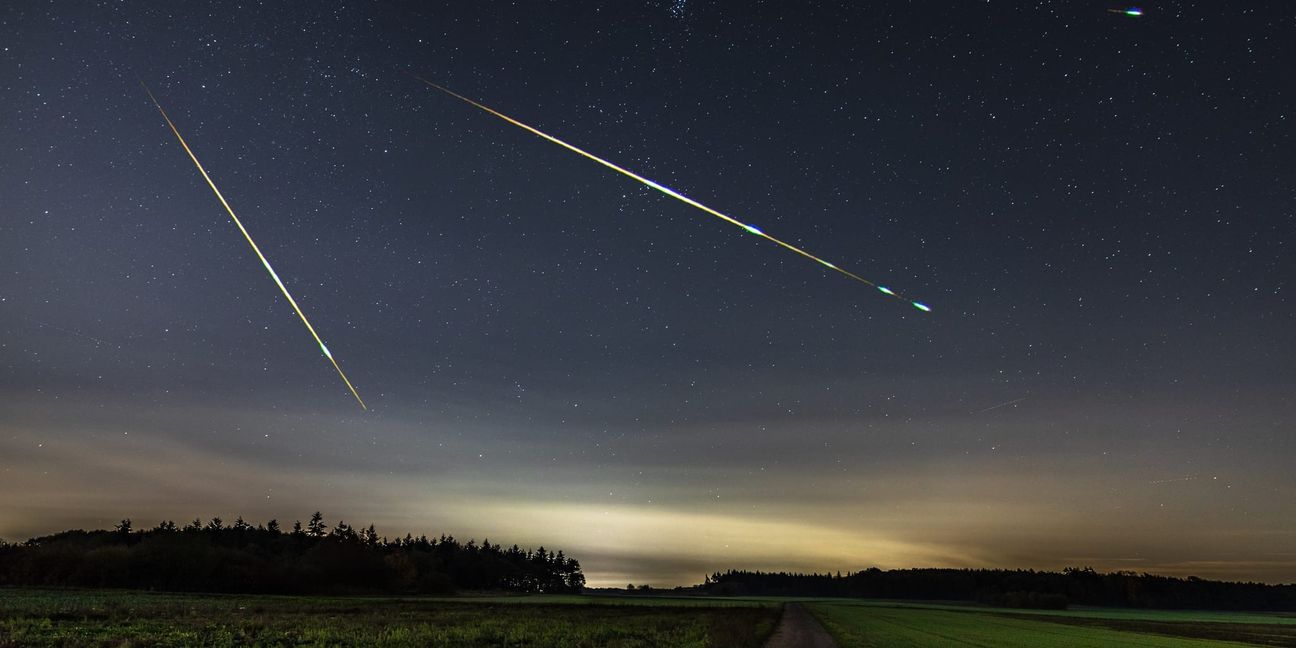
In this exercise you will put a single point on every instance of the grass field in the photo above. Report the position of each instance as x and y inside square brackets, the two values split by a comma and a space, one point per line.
[1125, 614]
[125, 618]
[122, 618]
[858, 624]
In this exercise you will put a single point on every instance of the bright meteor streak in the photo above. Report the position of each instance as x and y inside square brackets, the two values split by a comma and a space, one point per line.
[265, 262]
[678, 196]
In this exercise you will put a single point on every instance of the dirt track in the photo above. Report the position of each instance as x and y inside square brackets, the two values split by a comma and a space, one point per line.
[798, 629]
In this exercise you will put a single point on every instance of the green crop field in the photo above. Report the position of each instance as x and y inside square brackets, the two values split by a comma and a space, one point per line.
[1129, 614]
[858, 624]
[122, 618]
[31, 617]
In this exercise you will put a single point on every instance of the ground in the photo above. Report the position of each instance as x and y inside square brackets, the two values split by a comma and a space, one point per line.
[31, 617]
[799, 629]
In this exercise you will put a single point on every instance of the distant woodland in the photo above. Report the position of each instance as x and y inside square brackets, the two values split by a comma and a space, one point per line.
[318, 559]
[1013, 588]
[238, 557]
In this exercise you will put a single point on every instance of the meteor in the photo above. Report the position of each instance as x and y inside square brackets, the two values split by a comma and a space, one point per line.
[265, 262]
[97, 341]
[750, 229]
[995, 407]
[1175, 479]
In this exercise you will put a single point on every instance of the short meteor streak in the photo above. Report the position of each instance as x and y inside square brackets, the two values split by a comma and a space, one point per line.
[678, 196]
[995, 407]
[1176, 479]
[265, 262]
[92, 338]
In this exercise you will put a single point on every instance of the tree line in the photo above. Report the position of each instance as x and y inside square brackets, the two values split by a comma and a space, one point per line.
[1013, 588]
[310, 559]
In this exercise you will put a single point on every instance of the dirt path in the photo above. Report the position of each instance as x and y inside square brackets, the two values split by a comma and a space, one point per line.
[798, 629]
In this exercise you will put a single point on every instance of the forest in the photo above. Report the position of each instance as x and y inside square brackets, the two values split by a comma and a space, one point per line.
[310, 559]
[1013, 588]
[316, 559]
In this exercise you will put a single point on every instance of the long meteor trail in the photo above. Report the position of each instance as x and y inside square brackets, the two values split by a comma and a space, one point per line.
[678, 196]
[265, 262]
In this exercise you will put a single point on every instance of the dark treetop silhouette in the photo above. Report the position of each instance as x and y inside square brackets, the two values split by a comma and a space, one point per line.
[1014, 588]
[215, 557]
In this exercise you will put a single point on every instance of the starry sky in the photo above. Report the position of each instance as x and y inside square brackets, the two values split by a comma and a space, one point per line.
[1100, 210]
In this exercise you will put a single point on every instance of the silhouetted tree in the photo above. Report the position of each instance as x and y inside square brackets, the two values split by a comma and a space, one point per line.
[315, 528]
[1013, 588]
[243, 558]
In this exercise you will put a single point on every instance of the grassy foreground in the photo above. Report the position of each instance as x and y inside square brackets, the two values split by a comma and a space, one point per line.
[30, 617]
[1104, 613]
[124, 618]
[865, 624]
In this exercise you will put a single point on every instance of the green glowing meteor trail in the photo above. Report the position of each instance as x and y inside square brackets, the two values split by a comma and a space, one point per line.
[679, 196]
[265, 262]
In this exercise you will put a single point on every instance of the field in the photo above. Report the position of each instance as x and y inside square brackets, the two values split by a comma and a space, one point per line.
[30, 617]
[122, 618]
[1127, 614]
[857, 624]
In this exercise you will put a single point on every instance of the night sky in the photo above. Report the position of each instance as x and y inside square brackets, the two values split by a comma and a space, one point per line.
[1100, 210]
